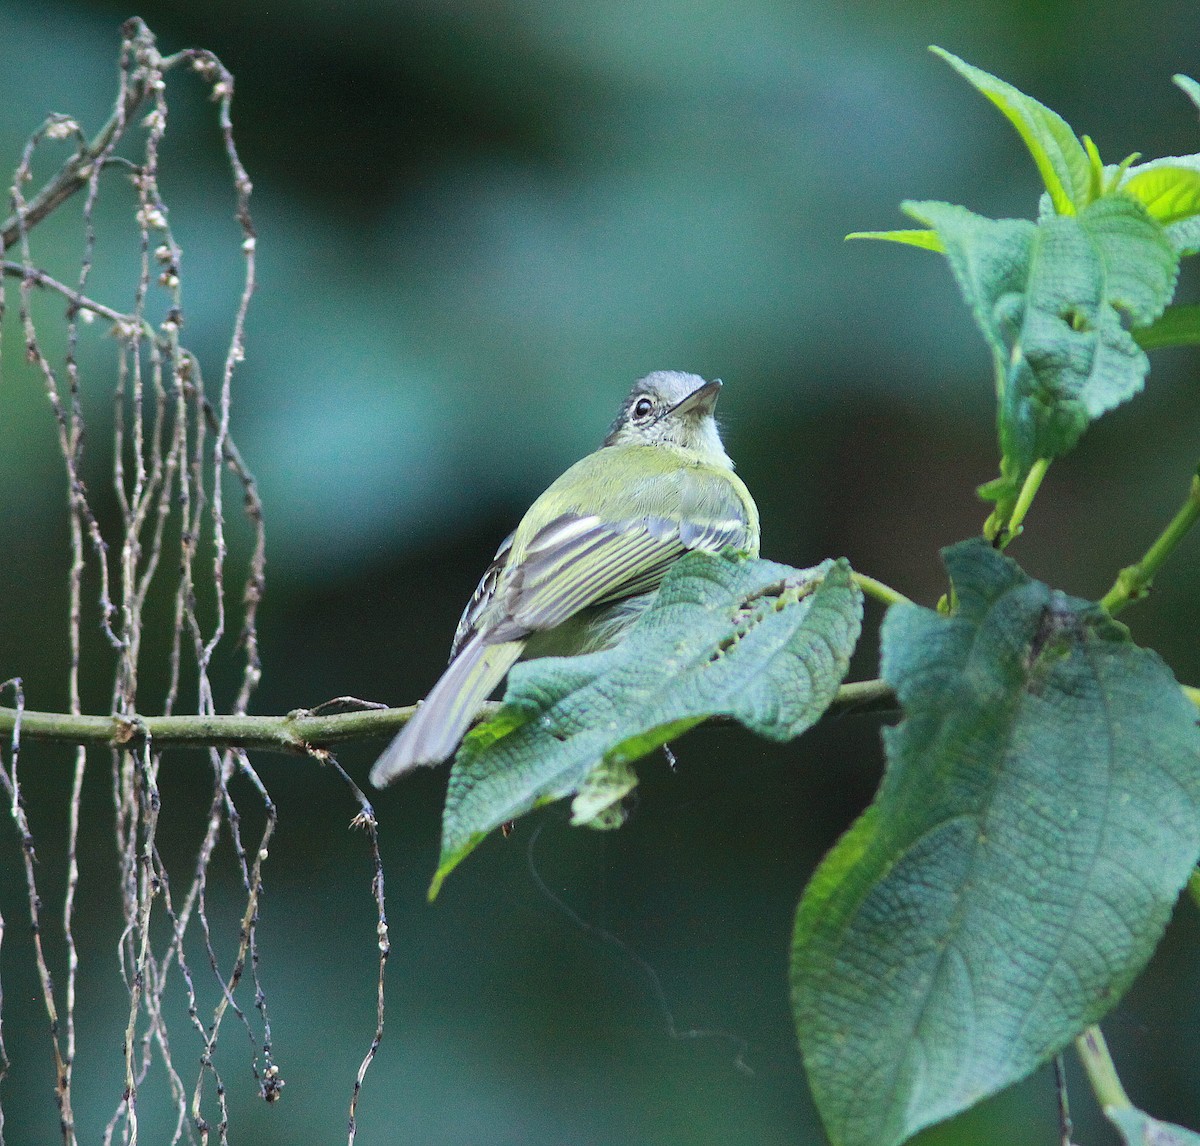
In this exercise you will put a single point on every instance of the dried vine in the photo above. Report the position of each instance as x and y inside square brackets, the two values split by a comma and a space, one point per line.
[172, 446]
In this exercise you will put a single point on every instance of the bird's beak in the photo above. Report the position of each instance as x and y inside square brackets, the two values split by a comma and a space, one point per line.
[702, 399]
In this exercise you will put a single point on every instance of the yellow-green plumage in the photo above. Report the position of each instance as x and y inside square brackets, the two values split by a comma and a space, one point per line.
[588, 555]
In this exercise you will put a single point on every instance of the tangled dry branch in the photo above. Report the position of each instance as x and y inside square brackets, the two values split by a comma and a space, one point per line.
[172, 450]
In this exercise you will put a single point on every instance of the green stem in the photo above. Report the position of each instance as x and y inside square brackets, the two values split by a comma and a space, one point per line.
[1033, 482]
[1098, 1063]
[299, 732]
[1134, 580]
[879, 590]
[296, 732]
[864, 693]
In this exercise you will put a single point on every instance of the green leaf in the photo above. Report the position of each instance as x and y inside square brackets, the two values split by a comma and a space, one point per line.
[1054, 300]
[597, 804]
[927, 240]
[1184, 231]
[1060, 157]
[1189, 87]
[1039, 814]
[1139, 1129]
[1169, 193]
[760, 642]
[1096, 169]
[1176, 326]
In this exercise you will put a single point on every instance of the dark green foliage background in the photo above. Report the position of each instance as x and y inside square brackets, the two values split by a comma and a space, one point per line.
[478, 223]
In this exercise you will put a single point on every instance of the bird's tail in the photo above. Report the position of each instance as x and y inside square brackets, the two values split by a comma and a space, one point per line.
[445, 714]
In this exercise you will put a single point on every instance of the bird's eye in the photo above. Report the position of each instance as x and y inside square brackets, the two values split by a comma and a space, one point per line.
[643, 408]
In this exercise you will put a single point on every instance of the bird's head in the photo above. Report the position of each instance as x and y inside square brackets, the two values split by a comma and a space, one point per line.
[669, 407]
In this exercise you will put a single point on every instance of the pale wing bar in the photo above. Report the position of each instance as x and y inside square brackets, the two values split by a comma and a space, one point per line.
[713, 536]
[579, 560]
[576, 561]
[616, 565]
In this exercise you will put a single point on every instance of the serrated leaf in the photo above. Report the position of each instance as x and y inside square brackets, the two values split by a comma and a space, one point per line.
[1139, 1129]
[927, 240]
[760, 642]
[1176, 326]
[1169, 193]
[1054, 300]
[1060, 157]
[1184, 233]
[1036, 822]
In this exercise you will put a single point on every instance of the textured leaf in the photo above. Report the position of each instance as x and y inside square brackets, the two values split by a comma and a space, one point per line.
[760, 642]
[1139, 1129]
[1169, 193]
[1060, 157]
[1184, 232]
[1054, 300]
[1036, 822]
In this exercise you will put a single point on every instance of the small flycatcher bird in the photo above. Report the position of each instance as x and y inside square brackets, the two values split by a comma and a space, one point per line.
[589, 554]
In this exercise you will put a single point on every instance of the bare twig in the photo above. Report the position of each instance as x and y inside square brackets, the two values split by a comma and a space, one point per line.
[79, 302]
[75, 173]
[172, 451]
[366, 819]
[10, 782]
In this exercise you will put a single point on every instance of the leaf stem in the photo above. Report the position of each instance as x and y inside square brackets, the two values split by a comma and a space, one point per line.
[1033, 482]
[1134, 580]
[1102, 1074]
[877, 589]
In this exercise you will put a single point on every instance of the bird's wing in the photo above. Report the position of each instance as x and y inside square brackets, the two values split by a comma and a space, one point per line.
[578, 560]
[481, 598]
[716, 511]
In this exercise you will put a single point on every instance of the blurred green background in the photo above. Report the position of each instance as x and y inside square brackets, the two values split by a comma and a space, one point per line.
[479, 222]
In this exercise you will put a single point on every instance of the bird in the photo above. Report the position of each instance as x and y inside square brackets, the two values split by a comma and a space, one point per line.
[589, 555]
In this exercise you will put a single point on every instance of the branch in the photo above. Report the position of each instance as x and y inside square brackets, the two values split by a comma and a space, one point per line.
[1102, 1074]
[1134, 581]
[77, 170]
[302, 731]
[1029, 489]
[298, 732]
[877, 589]
[79, 302]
